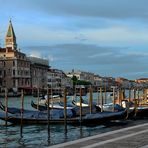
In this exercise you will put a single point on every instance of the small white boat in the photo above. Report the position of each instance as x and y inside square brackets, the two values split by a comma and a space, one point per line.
[54, 98]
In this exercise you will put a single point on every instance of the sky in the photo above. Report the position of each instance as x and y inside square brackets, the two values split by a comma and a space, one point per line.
[105, 37]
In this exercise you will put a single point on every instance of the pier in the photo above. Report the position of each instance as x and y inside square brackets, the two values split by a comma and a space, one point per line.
[129, 137]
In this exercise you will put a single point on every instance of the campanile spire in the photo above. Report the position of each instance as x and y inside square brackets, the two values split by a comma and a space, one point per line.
[10, 39]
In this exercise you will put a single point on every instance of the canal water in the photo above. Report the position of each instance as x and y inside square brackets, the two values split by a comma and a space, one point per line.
[44, 135]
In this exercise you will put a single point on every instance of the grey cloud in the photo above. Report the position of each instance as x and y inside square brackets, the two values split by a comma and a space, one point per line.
[109, 61]
[88, 8]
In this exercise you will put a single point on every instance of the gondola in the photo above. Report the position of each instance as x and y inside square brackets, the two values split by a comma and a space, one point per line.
[41, 118]
[51, 106]
[14, 110]
[139, 111]
[85, 105]
[39, 107]
[75, 109]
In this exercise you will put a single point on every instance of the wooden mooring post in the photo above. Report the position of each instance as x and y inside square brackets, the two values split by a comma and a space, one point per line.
[98, 102]
[80, 105]
[6, 106]
[65, 106]
[135, 101]
[65, 111]
[101, 99]
[48, 115]
[113, 87]
[129, 95]
[22, 111]
[90, 99]
[48, 111]
[22, 106]
[38, 97]
[105, 94]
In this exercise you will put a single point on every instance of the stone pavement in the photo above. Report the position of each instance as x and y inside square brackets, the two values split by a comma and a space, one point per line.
[130, 137]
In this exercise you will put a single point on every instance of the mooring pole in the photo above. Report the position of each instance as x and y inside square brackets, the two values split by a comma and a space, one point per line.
[101, 99]
[22, 110]
[105, 94]
[138, 97]
[135, 102]
[120, 96]
[65, 104]
[48, 111]
[6, 106]
[22, 105]
[90, 99]
[129, 95]
[80, 105]
[113, 87]
[98, 96]
[38, 99]
[48, 115]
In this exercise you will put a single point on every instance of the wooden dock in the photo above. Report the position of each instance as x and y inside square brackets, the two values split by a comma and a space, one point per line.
[130, 137]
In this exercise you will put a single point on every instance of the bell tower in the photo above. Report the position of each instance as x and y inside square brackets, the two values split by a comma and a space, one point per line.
[10, 39]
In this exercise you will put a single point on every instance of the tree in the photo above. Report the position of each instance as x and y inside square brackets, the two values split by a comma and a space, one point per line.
[74, 79]
[79, 82]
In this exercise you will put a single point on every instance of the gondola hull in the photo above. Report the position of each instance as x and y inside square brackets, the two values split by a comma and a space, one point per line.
[89, 119]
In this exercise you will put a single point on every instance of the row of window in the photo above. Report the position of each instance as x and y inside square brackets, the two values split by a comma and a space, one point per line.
[14, 72]
[15, 63]
[21, 82]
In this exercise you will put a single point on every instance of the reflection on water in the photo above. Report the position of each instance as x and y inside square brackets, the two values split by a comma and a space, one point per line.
[33, 135]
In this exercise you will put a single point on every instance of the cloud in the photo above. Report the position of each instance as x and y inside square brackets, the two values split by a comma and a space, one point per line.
[35, 54]
[86, 8]
[107, 22]
[108, 61]
[108, 37]
[112, 36]
[113, 9]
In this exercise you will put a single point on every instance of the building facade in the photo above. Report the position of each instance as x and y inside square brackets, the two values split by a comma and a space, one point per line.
[58, 79]
[17, 71]
[15, 68]
[38, 71]
[82, 75]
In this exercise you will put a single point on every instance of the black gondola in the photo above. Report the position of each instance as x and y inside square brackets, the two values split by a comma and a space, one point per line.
[57, 116]
[14, 110]
[41, 118]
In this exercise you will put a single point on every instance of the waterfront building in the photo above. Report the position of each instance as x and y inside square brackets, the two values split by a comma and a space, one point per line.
[58, 80]
[38, 71]
[82, 75]
[15, 67]
[143, 81]
[124, 83]
[104, 81]
[17, 71]
[98, 81]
